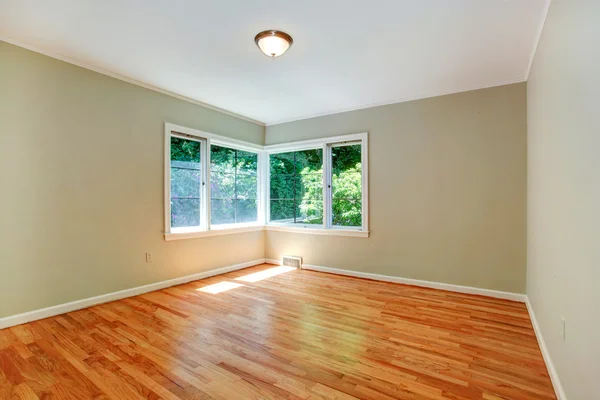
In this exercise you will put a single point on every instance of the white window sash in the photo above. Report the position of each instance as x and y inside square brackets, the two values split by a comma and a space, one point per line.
[326, 145]
[207, 139]
[263, 181]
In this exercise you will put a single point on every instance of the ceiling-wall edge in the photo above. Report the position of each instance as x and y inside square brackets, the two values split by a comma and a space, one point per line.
[538, 37]
[260, 123]
[404, 100]
[129, 80]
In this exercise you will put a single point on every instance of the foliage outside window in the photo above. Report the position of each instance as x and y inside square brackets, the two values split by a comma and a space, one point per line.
[186, 176]
[233, 186]
[346, 185]
[211, 181]
[296, 187]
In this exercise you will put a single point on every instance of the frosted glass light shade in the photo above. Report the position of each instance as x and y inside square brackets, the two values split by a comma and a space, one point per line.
[273, 43]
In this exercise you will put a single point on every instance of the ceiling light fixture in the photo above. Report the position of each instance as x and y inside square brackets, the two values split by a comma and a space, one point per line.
[273, 43]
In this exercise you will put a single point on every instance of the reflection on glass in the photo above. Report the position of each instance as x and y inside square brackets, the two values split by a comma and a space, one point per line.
[185, 182]
[234, 186]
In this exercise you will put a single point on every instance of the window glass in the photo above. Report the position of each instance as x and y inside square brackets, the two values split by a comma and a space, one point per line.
[186, 177]
[234, 186]
[296, 187]
[346, 185]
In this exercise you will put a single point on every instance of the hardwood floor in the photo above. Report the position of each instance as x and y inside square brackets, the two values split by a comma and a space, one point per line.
[299, 334]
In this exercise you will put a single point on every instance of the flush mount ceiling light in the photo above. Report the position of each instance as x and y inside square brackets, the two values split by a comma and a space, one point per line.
[273, 43]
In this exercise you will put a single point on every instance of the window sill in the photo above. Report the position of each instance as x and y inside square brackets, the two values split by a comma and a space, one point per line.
[228, 230]
[317, 231]
[215, 231]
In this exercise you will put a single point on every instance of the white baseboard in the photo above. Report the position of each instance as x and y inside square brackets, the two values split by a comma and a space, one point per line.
[415, 282]
[558, 389]
[105, 298]
[18, 319]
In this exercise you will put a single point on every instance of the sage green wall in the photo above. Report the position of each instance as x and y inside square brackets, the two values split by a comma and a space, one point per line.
[447, 190]
[81, 156]
[563, 270]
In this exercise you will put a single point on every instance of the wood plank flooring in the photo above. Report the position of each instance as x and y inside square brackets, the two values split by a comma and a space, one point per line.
[296, 335]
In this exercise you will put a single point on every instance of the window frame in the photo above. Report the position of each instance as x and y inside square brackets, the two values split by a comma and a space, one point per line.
[326, 144]
[263, 182]
[259, 208]
[268, 194]
[206, 228]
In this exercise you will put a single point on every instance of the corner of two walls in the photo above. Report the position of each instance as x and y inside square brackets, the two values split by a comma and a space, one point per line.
[83, 161]
[563, 270]
[87, 196]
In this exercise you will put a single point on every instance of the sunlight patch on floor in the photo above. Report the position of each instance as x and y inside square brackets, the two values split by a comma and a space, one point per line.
[267, 273]
[219, 287]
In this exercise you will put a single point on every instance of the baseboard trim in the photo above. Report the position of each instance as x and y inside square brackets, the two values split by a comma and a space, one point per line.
[415, 282]
[558, 388]
[35, 315]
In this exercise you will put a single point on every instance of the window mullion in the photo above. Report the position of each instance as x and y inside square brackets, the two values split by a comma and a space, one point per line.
[326, 186]
[294, 183]
[205, 185]
[235, 188]
[264, 198]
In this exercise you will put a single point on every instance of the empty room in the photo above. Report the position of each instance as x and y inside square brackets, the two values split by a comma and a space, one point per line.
[386, 199]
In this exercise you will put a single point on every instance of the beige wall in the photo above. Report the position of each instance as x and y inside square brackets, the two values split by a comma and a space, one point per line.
[563, 270]
[81, 156]
[447, 190]
[83, 187]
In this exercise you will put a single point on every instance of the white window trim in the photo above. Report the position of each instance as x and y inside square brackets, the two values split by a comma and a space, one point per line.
[207, 139]
[325, 144]
[263, 186]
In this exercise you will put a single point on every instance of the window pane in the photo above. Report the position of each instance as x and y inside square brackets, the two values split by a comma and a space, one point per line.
[309, 186]
[222, 159]
[247, 187]
[246, 162]
[296, 187]
[185, 212]
[222, 186]
[222, 211]
[186, 182]
[234, 186]
[282, 163]
[346, 195]
[310, 212]
[282, 187]
[185, 150]
[346, 158]
[282, 210]
[309, 161]
[246, 210]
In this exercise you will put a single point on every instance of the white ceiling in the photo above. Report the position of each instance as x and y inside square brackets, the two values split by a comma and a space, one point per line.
[346, 55]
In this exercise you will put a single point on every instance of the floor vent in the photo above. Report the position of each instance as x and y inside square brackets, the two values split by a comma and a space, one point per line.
[291, 261]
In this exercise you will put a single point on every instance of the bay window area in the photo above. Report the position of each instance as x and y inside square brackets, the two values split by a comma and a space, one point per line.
[319, 186]
[215, 185]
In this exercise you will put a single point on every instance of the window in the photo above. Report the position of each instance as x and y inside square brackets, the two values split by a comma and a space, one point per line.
[212, 184]
[186, 182]
[215, 185]
[346, 185]
[233, 186]
[296, 187]
[319, 184]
